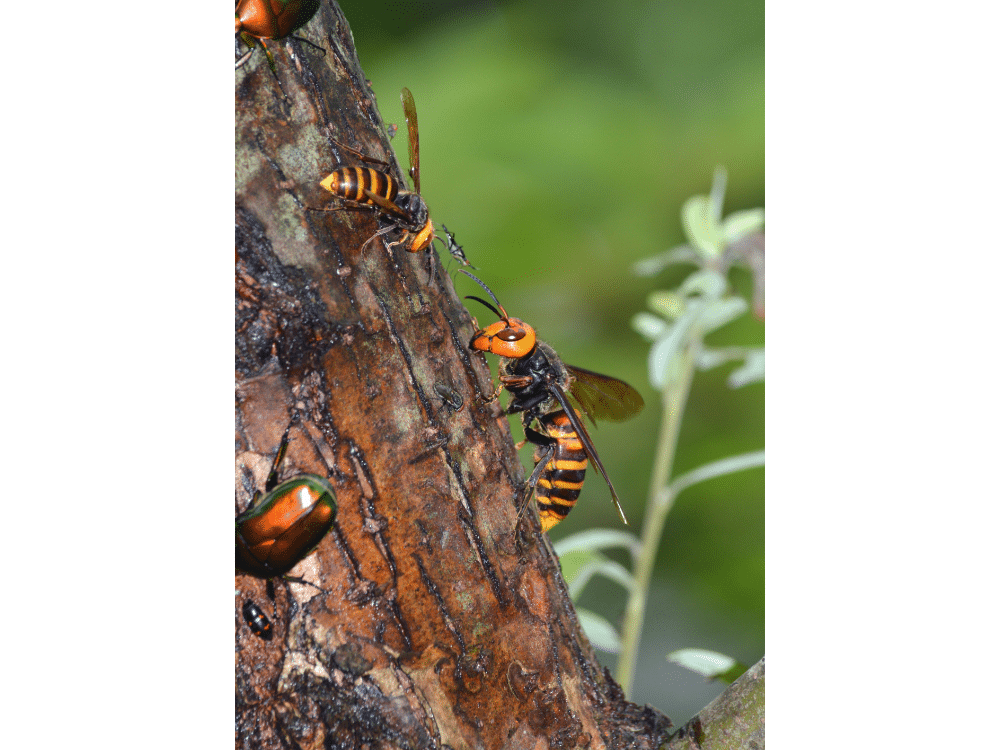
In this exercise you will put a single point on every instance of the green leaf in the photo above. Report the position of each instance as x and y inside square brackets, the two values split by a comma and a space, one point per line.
[650, 266]
[702, 230]
[668, 304]
[604, 567]
[752, 370]
[713, 469]
[656, 263]
[718, 193]
[663, 365]
[706, 283]
[710, 357]
[649, 326]
[739, 224]
[599, 631]
[575, 563]
[595, 539]
[711, 664]
[721, 312]
[703, 289]
[580, 559]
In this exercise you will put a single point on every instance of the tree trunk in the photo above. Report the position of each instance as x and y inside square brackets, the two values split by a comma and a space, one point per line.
[431, 623]
[733, 721]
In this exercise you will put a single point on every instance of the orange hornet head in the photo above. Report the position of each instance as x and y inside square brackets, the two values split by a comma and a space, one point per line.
[508, 337]
[423, 238]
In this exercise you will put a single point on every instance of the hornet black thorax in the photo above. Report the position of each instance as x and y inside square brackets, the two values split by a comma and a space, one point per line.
[543, 366]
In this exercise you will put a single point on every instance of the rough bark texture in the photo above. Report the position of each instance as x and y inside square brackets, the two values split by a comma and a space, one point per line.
[733, 721]
[432, 623]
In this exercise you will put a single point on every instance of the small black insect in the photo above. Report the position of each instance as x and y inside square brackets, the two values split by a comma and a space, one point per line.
[257, 620]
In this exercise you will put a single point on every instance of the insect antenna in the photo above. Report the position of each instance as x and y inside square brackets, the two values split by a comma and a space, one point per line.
[502, 314]
[484, 302]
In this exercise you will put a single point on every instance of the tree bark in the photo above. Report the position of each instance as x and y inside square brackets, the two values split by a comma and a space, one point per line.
[430, 622]
[733, 721]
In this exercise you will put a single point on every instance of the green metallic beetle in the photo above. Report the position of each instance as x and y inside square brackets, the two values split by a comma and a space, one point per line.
[257, 20]
[284, 523]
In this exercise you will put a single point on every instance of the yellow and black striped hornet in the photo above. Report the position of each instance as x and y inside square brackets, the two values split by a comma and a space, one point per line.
[541, 386]
[363, 187]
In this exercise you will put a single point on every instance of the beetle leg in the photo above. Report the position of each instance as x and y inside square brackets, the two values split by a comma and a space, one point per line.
[257, 495]
[303, 581]
[272, 477]
[270, 58]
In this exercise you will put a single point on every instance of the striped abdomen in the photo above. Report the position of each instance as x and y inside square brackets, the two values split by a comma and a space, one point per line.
[560, 483]
[351, 182]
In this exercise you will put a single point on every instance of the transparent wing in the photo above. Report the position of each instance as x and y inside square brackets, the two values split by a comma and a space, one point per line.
[410, 110]
[604, 397]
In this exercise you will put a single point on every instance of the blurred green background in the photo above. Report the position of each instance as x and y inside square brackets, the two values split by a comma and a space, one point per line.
[558, 142]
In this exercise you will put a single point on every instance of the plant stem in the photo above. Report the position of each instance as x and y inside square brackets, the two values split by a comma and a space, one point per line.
[661, 498]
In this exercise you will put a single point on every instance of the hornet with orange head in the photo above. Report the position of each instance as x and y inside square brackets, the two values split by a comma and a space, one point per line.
[541, 386]
[404, 212]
